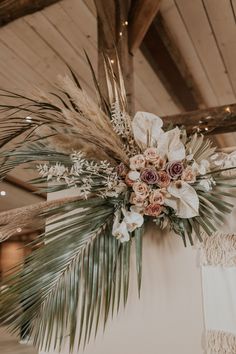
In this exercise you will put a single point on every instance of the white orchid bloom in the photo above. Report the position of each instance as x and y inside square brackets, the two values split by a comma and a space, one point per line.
[120, 230]
[183, 199]
[170, 145]
[132, 219]
[146, 126]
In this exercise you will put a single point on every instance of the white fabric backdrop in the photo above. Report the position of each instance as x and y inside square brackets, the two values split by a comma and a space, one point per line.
[219, 289]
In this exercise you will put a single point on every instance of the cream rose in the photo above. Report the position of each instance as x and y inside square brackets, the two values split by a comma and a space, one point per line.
[137, 162]
[138, 200]
[156, 197]
[140, 189]
[151, 154]
[189, 175]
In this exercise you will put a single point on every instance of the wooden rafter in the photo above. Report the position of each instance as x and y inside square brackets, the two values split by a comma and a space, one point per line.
[215, 120]
[167, 62]
[112, 40]
[24, 185]
[141, 16]
[12, 9]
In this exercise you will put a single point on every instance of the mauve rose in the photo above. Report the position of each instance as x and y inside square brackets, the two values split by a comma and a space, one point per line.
[153, 209]
[156, 197]
[121, 170]
[174, 169]
[149, 175]
[137, 162]
[163, 180]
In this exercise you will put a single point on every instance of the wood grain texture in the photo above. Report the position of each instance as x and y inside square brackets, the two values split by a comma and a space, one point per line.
[156, 51]
[112, 41]
[215, 120]
[222, 21]
[141, 15]
[197, 23]
[11, 10]
[186, 46]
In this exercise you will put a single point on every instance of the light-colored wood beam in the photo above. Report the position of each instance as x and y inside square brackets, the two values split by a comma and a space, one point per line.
[214, 120]
[167, 62]
[141, 15]
[112, 41]
[10, 10]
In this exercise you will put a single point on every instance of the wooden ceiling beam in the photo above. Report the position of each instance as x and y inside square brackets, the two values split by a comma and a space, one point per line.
[141, 15]
[215, 120]
[169, 65]
[27, 187]
[112, 41]
[10, 10]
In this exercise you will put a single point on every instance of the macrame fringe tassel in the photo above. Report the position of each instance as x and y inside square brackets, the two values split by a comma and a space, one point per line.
[220, 342]
[219, 249]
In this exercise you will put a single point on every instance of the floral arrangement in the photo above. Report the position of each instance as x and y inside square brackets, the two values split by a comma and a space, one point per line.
[123, 172]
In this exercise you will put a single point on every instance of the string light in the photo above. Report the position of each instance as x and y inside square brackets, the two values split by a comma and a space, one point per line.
[125, 23]
[19, 229]
[227, 109]
[28, 119]
[206, 129]
[121, 34]
[3, 193]
[112, 61]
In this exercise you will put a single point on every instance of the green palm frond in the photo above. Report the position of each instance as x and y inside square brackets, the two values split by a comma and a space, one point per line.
[213, 206]
[32, 152]
[75, 278]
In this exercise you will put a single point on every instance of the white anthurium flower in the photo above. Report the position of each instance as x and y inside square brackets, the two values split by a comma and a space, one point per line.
[170, 145]
[132, 219]
[145, 124]
[183, 199]
[120, 230]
